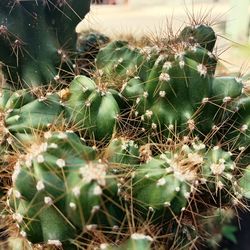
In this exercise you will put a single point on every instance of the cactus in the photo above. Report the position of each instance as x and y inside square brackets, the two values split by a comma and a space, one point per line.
[117, 60]
[59, 174]
[204, 230]
[22, 112]
[35, 45]
[202, 34]
[165, 183]
[59, 189]
[137, 241]
[244, 182]
[91, 41]
[88, 45]
[239, 132]
[147, 154]
[165, 85]
[122, 151]
[92, 107]
[218, 225]
[171, 89]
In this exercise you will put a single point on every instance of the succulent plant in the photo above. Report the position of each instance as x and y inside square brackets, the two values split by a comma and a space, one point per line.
[122, 151]
[92, 107]
[22, 112]
[201, 34]
[137, 241]
[166, 182]
[239, 131]
[147, 154]
[59, 189]
[171, 87]
[88, 44]
[36, 47]
[118, 60]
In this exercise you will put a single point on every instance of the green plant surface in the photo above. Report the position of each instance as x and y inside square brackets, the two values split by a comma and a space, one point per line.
[22, 112]
[36, 47]
[92, 107]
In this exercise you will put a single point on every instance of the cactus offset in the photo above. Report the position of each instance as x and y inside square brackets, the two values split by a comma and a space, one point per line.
[22, 112]
[92, 107]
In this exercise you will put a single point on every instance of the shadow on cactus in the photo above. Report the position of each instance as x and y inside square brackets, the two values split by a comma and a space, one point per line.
[36, 48]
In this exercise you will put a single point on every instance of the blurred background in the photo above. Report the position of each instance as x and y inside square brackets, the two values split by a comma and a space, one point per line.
[230, 19]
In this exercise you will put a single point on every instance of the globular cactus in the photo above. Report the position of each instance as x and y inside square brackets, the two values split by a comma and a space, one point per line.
[122, 151]
[92, 107]
[88, 45]
[217, 109]
[165, 84]
[118, 60]
[5, 173]
[166, 182]
[216, 225]
[205, 229]
[245, 182]
[58, 174]
[201, 34]
[22, 112]
[166, 95]
[172, 88]
[137, 241]
[59, 190]
[34, 43]
[239, 131]
[230, 108]
[142, 156]
[91, 41]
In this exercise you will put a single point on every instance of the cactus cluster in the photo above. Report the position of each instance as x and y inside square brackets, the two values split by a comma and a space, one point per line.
[147, 153]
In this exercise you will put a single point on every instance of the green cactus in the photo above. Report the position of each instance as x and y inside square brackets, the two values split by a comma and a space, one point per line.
[205, 230]
[171, 90]
[4, 171]
[137, 241]
[245, 182]
[158, 145]
[122, 151]
[35, 44]
[218, 225]
[22, 112]
[92, 108]
[168, 96]
[118, 60]
[59, 190]
[166, 85]
[239, 131]
[217, 109]
[88, 44]
[164, 184]
[201, 34]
